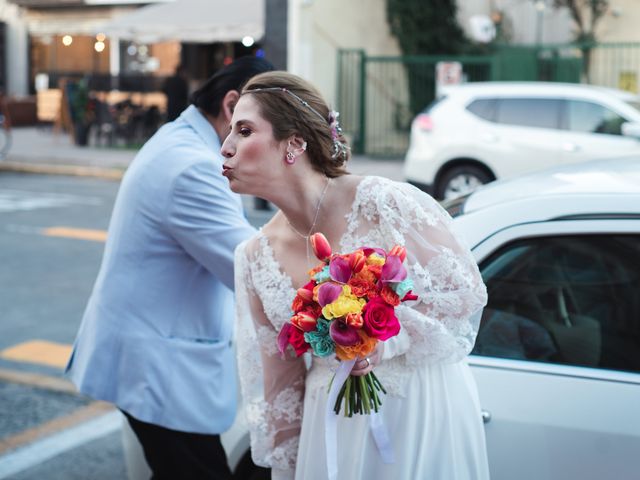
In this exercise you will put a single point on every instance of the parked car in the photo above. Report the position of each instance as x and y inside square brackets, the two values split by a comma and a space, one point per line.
[557, 357]
[479, 132]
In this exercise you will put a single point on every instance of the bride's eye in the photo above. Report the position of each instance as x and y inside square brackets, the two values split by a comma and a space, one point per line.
[244, 131]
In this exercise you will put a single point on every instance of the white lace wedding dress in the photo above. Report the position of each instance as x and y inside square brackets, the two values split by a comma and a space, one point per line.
[431, 410]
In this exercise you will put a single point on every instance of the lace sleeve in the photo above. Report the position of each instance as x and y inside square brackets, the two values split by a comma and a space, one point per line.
[272, 388]
[442, 325]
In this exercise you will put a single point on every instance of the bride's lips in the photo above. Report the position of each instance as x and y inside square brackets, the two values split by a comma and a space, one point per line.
[227, 171]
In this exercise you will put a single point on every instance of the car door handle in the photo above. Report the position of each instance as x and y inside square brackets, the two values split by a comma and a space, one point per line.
[571, 147]
[486, 416]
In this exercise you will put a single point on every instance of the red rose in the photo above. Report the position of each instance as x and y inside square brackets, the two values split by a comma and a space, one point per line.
[297, 341]
[380, 320]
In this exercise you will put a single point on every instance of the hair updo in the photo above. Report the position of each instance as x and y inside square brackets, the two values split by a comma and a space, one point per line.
[288, 115]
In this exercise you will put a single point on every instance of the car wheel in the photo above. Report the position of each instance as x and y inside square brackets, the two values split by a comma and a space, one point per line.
[461, 180]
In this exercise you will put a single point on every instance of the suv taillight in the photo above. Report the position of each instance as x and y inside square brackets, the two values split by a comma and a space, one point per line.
[423, 122]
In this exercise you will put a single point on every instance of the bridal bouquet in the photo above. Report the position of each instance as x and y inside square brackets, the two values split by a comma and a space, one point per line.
[345, 309]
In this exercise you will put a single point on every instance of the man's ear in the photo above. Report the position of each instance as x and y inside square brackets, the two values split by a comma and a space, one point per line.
[228, 104]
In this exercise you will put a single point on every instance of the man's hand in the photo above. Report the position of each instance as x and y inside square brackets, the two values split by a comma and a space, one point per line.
[365, 365]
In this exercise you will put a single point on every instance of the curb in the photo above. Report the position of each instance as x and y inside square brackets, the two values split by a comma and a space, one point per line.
[72, 170]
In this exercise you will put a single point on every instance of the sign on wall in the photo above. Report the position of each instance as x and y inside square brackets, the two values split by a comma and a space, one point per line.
[447, 73]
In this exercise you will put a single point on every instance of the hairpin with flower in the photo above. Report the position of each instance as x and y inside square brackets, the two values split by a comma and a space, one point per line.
[339, 147]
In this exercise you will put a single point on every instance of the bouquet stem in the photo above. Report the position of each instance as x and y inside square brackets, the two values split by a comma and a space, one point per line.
[360, 395]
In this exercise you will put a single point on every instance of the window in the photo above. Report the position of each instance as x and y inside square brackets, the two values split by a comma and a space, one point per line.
[590, 117]
[571, 300]
[529, 112]
[483, 108]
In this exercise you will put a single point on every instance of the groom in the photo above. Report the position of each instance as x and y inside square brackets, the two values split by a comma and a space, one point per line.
[156, 336]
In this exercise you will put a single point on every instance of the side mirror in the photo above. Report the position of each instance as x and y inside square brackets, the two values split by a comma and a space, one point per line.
[631, 129]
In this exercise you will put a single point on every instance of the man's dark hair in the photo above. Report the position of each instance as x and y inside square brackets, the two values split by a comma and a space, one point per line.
[208, 97]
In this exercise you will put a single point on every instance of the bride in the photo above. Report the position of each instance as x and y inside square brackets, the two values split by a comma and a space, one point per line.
[286, 146]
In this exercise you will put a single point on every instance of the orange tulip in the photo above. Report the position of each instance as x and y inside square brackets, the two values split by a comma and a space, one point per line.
[305, 294]
[357, 261]
[320, 246]
[305, 321]
[399, 251]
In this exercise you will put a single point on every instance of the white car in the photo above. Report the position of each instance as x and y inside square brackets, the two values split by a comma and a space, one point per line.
[557, 357]
[479, 132]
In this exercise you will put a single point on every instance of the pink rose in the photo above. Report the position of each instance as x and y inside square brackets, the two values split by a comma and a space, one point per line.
[380, 320]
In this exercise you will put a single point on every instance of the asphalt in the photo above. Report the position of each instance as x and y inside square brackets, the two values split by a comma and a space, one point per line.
[45, 150]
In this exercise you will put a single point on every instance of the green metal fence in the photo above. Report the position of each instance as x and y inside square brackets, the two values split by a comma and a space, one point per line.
[379, 96]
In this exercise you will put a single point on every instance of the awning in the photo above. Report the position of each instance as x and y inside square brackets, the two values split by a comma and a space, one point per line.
[69, 21]
[197, 21]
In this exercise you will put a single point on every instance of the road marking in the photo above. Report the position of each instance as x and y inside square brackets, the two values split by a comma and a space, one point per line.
[71, 437]
[64, 232]
[37, 380]
[39, 351]
[77, 233]
[46, 429]
[20, 200]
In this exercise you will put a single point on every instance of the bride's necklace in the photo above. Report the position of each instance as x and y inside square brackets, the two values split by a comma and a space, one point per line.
[313, 225]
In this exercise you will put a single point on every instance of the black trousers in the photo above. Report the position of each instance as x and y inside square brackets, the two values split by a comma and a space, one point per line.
[174, 455]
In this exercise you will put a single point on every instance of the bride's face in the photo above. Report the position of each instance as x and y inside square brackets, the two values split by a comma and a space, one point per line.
[253, 154]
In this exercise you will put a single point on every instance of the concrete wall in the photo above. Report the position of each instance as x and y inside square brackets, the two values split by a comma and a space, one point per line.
[525, 23]
[17, 49]
[621, 23]
[319, 28]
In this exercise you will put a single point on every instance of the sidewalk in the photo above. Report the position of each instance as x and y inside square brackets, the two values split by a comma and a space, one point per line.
[40, 150]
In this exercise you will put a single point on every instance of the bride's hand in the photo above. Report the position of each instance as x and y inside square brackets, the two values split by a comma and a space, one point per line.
[365, 365]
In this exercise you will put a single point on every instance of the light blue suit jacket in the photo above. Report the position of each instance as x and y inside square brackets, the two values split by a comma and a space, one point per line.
[156, 337]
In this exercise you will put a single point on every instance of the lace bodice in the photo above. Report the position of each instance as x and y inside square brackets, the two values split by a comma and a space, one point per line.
[439, 327]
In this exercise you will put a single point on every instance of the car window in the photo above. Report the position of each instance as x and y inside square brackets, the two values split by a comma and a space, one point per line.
[590, 117]
[570, 300]
[483, 108]
[529, 112]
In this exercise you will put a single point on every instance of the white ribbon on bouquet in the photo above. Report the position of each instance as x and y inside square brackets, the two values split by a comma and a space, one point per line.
[376, 424]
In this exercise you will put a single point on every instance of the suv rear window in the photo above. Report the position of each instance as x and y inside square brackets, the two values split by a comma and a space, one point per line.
[483, 108]
[529, 112]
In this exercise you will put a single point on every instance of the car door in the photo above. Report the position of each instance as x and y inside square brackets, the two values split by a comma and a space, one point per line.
[527, 135]
[557, 357]
[593, 131]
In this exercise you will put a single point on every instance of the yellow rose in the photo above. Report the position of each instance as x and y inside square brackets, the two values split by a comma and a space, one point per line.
[344, 304]
[374, 259]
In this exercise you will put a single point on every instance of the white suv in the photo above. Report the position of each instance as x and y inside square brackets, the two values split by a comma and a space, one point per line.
[479, 132]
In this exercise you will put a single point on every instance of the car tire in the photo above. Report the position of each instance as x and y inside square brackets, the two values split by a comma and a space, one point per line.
[460, 180]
